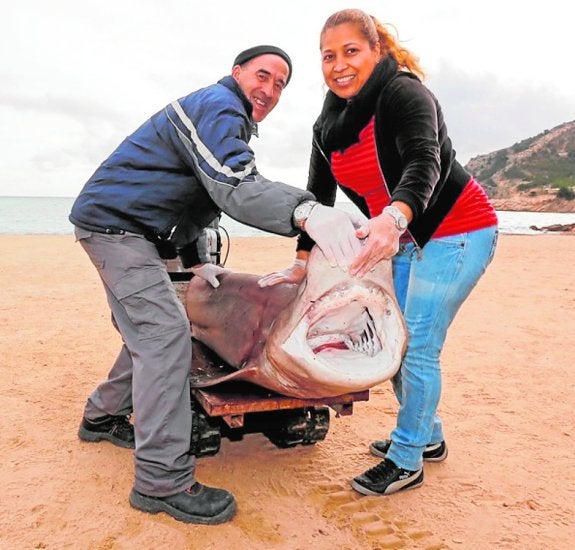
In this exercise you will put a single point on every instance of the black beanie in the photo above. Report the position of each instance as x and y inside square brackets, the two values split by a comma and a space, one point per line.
[250, 53]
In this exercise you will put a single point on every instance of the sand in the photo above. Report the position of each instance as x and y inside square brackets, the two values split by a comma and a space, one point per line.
[508, 407]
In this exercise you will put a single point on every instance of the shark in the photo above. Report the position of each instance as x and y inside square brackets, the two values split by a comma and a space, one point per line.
[330, 335]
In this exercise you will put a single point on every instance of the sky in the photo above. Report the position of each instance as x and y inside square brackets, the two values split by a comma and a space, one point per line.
[76, 77]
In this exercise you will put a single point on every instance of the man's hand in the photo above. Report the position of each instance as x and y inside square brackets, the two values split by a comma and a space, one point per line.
[209, 273]
[333, 231]
[293, 274]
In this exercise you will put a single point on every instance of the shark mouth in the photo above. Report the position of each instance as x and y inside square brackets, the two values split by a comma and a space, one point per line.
[353, 337]
[348, 327]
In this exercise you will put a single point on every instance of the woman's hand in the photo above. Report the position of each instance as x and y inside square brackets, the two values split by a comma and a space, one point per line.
[380, 238]
[294, 274]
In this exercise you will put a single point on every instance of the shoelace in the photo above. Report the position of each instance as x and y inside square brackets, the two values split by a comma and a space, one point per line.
[121, 425]
[378, 471]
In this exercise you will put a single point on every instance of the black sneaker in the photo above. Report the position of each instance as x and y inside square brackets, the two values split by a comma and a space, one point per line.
[115, 429]
[386, 478]
[198, 504]
[432, 453]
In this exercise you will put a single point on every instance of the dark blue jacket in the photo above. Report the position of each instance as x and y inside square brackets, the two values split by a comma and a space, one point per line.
[182, 168]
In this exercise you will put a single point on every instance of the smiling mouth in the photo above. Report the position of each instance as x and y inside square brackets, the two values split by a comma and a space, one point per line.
[260, 103]
[343, 80]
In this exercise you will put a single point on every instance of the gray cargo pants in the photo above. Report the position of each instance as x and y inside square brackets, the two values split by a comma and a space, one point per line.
[151, 374]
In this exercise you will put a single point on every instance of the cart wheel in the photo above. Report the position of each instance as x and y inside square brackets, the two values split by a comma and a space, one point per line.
[206, 434]
[299, 427]
[318, 426]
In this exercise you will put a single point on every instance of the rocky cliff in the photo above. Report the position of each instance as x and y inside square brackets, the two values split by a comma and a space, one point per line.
[536, 174]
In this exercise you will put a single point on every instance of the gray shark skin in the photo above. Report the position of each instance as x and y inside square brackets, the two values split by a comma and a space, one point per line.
[331, 335]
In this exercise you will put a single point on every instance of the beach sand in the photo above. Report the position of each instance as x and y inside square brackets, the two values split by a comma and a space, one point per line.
[508, 408]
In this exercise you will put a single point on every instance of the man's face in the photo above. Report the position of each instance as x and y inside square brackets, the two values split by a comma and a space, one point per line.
[262, 79]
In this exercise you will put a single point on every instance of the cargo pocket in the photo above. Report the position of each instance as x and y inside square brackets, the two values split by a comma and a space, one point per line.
[150, 302]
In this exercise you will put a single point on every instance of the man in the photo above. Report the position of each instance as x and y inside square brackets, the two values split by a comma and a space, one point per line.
[152, 197]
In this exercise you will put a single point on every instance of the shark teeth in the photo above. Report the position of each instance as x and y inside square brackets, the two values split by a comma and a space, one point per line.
[365, 341]
[368, 343]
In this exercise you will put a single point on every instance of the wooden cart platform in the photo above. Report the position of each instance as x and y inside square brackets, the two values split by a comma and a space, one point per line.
[232, 402]
[233, 408]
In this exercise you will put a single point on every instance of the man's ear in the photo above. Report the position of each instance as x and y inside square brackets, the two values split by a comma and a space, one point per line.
[236, 70]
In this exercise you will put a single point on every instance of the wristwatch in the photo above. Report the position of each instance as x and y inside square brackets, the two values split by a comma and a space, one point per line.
[302, 212]
[401, 222]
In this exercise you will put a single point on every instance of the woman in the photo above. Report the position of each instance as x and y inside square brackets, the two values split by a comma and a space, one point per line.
[382, 139]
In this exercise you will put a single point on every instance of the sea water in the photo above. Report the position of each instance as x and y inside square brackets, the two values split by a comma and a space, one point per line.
[49, 216]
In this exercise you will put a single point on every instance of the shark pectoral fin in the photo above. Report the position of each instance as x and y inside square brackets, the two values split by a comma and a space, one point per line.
[206, 379]
[209, 369]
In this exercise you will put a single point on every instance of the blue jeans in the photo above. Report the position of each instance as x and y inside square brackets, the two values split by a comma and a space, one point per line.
[430, 290]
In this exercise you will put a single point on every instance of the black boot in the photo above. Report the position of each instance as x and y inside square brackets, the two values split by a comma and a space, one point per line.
[197, 504]
[115, 429]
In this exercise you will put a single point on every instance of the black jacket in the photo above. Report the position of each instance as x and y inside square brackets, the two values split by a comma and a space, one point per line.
[414, 150]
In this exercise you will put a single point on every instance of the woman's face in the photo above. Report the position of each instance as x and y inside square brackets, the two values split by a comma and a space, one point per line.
[347, 59]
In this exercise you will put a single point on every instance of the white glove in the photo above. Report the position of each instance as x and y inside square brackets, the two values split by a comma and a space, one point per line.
[333, 231]
[209, 273]
[293, 274]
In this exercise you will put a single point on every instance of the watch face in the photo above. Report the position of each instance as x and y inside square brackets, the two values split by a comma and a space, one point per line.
[301, 213]
[400, 220]
[301, 210]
